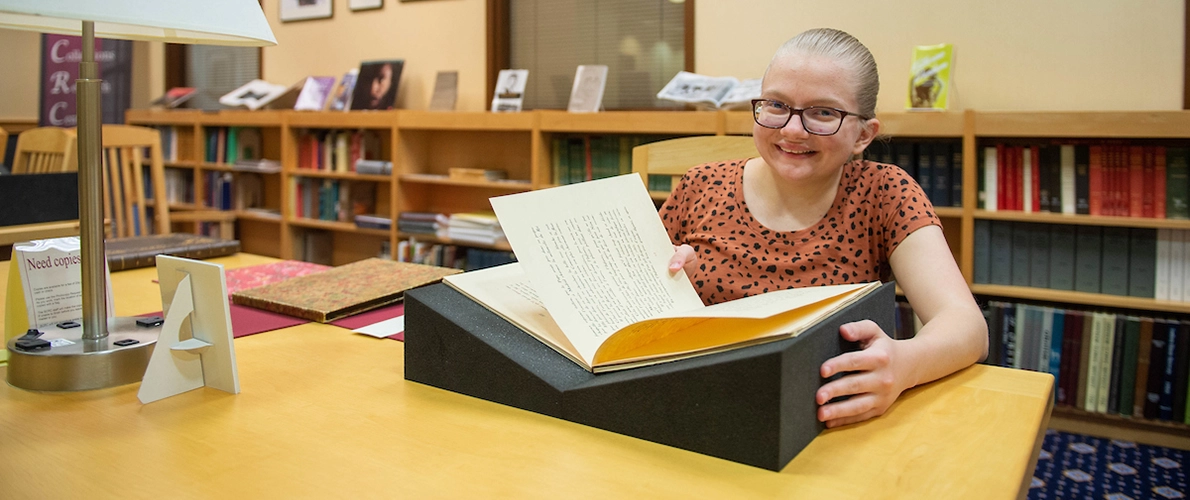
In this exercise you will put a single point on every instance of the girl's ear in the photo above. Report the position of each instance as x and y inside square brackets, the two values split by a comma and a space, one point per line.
[868, 132]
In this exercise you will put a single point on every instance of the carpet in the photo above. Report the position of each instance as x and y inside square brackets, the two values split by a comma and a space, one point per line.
[1079, 466]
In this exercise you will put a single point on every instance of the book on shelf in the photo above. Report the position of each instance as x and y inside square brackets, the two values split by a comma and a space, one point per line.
[253, 95]
[446, 91]
[509, 94]
[314, 92]
[174, 97]
[373, 221]
[373, 167]
[341, 291]
[377, 83]
[711, 91]
[261, 165]
[340, 98]
[476, 174]
[142, 251]
[930, 77]
[592, 283]
[586, 95]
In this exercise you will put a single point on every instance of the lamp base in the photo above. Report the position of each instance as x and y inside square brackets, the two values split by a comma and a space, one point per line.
[75, 364]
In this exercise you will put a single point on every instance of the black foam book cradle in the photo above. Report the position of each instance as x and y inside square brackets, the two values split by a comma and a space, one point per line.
[753, 405]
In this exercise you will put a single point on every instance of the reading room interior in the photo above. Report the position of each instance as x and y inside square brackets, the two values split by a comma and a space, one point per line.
[529, 248]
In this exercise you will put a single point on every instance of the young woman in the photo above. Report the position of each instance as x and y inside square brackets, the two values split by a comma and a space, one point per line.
[808, 213]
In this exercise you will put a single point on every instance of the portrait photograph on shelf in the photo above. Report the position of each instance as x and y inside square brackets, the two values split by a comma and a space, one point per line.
[302, 10]
[376, 85]
[509, 95]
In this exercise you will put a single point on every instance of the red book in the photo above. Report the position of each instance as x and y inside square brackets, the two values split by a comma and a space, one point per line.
[1148, 206]
[1012, 188]
[1159, 187]
[1035, 195]
[1002, 178]
[1136, 181]
[1095, 181]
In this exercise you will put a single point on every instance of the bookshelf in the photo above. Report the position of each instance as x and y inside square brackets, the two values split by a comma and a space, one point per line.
[423, 146]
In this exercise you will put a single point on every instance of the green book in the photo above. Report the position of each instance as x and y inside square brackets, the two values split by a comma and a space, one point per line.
[233, 134]
[1127, 390]
[1177, 189]
[558, 159]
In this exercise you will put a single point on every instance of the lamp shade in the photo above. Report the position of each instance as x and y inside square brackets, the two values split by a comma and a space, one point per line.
[212, 22]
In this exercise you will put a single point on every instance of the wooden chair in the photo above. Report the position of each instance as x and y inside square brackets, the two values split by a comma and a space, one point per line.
[130, 209]
[3, 144]
[45, 150]
[675, 156]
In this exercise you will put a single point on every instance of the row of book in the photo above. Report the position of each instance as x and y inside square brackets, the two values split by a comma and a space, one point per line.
[439, 254]
[1102, 362]
[1109, 260]
[179, 185]
[936, 165]
[176, 145]
[1103, 178]
[219, 191]
[480, 228]
[230, 144]
[337, 150]
[331, 200]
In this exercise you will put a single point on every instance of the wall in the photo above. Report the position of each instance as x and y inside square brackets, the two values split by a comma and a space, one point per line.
[430, 36]
[1010, 54]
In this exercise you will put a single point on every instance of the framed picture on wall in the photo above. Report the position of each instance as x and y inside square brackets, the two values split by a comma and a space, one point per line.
[301, 10]
[365, 4]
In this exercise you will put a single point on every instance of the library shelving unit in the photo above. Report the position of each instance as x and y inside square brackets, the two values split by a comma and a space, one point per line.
[324, 235]
[424, 146]
[1172, 127]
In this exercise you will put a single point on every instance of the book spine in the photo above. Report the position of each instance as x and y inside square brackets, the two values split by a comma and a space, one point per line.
[1096, 181]
[1136, 181]
[1022, 240]
[1177, 186]
[1062, 257]
[1162, 270]
[1128, 362]
[1068, 178]
[1159, 183]
[1142, 262]
[1144, 347]
[983, 251]
[1114, 280]
[1088, 258]
[1001, 261]
[1117, 366]
[1039, 256]
[991, 195]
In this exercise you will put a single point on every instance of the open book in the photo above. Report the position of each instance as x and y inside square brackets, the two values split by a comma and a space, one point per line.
[711, 91]
[592, 283]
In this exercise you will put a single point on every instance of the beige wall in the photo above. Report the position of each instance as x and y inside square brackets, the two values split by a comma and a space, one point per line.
[430, 36]
[1010, 54]
[20, 64]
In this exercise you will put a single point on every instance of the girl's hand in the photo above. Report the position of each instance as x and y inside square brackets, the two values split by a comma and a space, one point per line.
[874, 382]
[684, 257]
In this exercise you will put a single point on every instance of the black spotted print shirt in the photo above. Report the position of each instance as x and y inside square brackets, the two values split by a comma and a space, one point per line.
[876, 207]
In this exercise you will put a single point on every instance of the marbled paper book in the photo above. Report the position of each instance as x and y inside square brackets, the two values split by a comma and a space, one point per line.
[342, 291]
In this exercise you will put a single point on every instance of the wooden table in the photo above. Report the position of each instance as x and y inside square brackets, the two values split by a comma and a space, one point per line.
[326, 413]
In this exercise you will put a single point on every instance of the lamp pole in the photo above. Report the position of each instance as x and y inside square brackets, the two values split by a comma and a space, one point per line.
[88, 104]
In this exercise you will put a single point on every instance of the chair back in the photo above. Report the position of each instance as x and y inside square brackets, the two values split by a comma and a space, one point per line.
[134, 192]
[675, 156]
[3, 144]
[45, 150]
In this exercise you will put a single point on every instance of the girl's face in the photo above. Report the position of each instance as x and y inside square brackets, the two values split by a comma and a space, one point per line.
[800, 81]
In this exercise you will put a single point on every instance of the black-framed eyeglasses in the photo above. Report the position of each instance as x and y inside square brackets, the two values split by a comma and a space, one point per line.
[817, 120]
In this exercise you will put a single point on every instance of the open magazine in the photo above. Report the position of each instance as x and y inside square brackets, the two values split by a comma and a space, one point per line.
[711, 91]
[592, 282]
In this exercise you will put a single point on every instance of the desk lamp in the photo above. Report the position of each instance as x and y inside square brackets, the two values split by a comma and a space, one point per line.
[90, 361]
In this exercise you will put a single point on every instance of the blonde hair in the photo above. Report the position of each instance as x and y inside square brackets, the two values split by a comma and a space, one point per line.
[844, 49]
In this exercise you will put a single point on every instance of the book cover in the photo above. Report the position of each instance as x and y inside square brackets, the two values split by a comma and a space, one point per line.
[142, 251]
[509, 94]
[253, 95]
[1163, 332]
[1001, 261]
[340, 99]
[930, 77]
[174, 97]
[586, 95]
[446, 91]
[1142, 262]
[341, 291]
[376, 88]
[1114, 278]
[1144, 347]
[1088, 258]
[581, 309]
[983, 251]
[1062, 256]
[315, 91]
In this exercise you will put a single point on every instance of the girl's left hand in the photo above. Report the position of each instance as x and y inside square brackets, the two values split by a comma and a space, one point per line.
[874, 382]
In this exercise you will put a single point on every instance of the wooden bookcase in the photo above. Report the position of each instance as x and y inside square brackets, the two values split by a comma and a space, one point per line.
[425, 145]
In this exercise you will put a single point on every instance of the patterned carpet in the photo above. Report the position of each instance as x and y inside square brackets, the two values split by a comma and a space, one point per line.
[1078, 466]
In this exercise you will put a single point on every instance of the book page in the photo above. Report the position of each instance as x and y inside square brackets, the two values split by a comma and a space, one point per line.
[597, 254]
[51, 279]
[506, 291]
